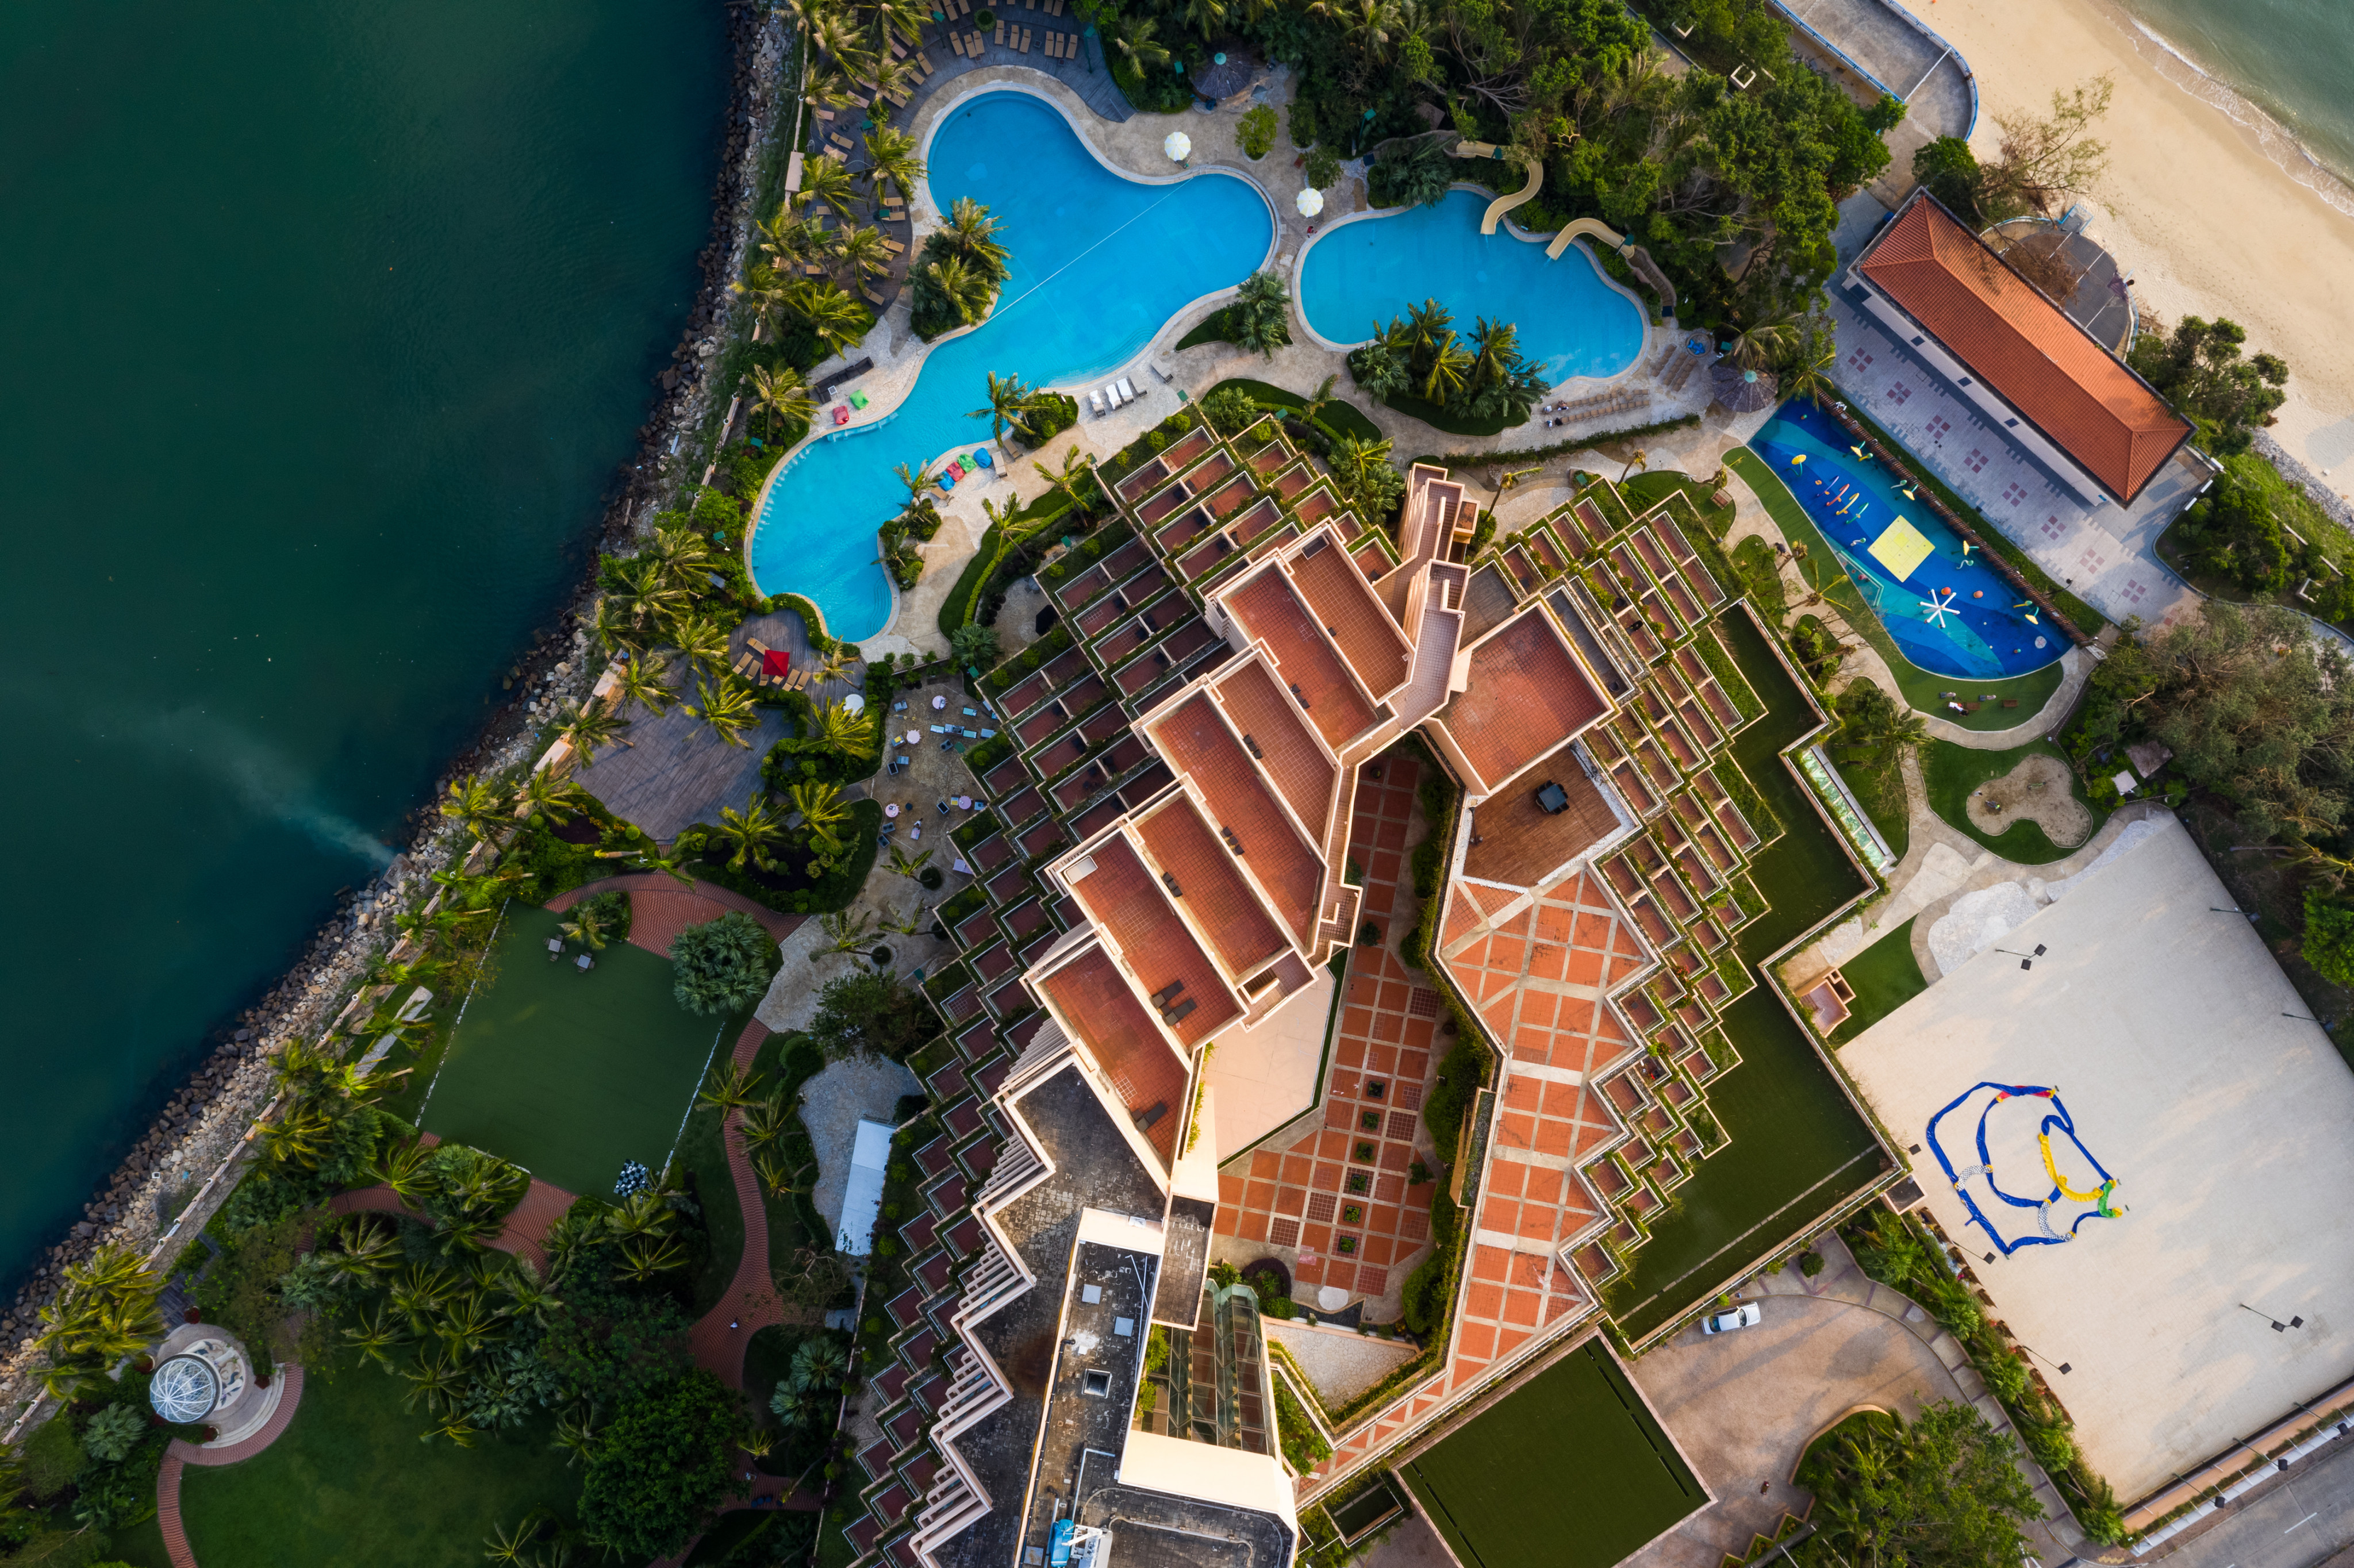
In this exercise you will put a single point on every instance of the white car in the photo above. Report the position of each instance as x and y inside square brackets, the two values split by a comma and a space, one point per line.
[1744, 1316]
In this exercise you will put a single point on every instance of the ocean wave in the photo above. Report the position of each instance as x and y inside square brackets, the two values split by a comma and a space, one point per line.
[2278, 144]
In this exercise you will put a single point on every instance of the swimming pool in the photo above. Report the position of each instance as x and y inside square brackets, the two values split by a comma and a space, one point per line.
[1357, 275]
[1100, 262]
[1949, 612]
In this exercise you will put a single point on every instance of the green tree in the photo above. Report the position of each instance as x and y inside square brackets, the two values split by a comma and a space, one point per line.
[1255, 131]
[722, 965]
[1260, 317]
[871, 1014]
[660, 1467]
[1950, 171]
[1945, 1491]
[1229, 409]
[2328, 943]
[974, 646]
[1009, 408]
[752, 831]
[1416, 175]
[779, 393]
[2197, 366]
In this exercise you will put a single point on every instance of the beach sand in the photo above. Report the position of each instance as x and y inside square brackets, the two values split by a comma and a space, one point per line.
[2192, 207]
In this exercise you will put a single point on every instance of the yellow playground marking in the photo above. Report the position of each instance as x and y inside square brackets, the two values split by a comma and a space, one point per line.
[1901, 550]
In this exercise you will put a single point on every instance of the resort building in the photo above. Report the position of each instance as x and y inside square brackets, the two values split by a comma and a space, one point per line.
[1198, 836]
[2050, 384]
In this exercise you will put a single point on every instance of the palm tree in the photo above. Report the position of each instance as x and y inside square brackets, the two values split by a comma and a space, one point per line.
[780, 394]
[643, 1213]
[527, 1295]
[836, 728]
[701, 640]
[402, 1167]
[1075, 478]
[847, 931]
[376, 1336]
[1809, 373]
[576, 1435]
[1766, 339]
[1368, 25]
[473, 803]
[1641, 460]
[1450, 365]
[1494, 347]
[906, 864]
[863, 252]
[588, 725]
[971, 233]
[966, 293]
[827, 180]
[643, 1258]
[437, 1381]
[837, 36]
[647, 591]
[1426, 325]
[832, 315]
[752, 831]
[917, 478]
[727, 708]
[586, 926]
[821, 810]
[1313, 405]
[730, 1085]
[1206, 17]
[765, 1121]
[777, 1181]
[893, 162]
[762, 290]
[546, 793]
[1133, 40]
[639, 681]
[1010, 404]
[609, 623]
[506, 1546]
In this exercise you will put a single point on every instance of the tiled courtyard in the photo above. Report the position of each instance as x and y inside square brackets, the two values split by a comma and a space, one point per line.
[1335, 1205]
[2105, 557]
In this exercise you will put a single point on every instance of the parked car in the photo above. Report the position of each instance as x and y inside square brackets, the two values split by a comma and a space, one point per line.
[1744, 1316]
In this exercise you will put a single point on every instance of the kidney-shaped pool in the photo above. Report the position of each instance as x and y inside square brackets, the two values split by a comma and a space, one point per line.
[1100, 261]
[1360, 273]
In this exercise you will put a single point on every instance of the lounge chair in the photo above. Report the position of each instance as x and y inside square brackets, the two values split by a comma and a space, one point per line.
[1126, 390]
[1111, 393]
[1096, 401]
[1025, 40]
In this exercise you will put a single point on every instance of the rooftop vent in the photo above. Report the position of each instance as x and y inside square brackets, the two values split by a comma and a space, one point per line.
[1251, 745]
[1098, 1383]
[1315, 545]
[1174, 891]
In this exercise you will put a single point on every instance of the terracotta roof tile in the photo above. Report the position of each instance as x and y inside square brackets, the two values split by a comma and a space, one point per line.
[1270, 612]
[1198, 745]
[1125, 901]
[2023, 348]
[1216, 894]
[1265, 713]
[1526, 696]
[1356, 620]
[1105, 1015]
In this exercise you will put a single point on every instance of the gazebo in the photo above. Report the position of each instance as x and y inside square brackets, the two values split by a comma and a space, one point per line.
[1741, 391]
[1230, 70]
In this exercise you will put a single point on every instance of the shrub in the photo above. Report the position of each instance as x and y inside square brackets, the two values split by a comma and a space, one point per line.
[2328, 938]
[113, 1432]
[722, 965]
[1229, 409]
[660, 1467]
[1255, 131]
[1324, 167]
[866, 1013]
[1303, 123]
[1811, 1262]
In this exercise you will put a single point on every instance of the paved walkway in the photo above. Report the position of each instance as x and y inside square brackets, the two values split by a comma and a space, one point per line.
[659, 908]
[181, 1455]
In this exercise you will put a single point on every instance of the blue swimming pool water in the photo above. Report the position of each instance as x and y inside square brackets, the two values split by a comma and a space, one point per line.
[1985, 634]
[1099, 263]
[1358, 275]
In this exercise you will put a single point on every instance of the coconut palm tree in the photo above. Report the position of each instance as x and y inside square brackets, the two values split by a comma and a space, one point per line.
[473, 802]
[731, 1085]
[762, 291]
[105, 1312]
[837, 320]
[1641, 460]
[727, 706]
[893, 162]
[643, 1258]
[906, 864]
[1808, 373]
[971, 233]
[751, 832]
[1074, 477]
[775, 1179]
[822, 812]
[863, 252]
[1010, 404]
[588, 725]
[836, 728]
[1495, 346]
[780, 394]
[648, 860]
[650, 596]
[837, 36]
[847, 930]
[1133, 40]
[833, 664]
[1312, 407]
[546, 793]
[586, 926]
[905, 17]
[611, 624]
[917, 478]
[701, 640]
[1449, 370]
[826, 180]
[765, 1121]
[1766, 339]
[966, 293]
[639, 681]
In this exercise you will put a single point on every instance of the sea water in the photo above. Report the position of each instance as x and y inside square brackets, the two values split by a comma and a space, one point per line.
[326, 327]
[2290, 60]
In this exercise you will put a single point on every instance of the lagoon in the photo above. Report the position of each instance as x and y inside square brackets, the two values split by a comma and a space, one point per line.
[1100, 262]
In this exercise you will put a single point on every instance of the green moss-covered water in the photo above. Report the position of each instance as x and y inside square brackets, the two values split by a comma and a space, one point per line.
[327, 326]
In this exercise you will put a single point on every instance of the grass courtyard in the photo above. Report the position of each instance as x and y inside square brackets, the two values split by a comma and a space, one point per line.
[1569, 1470]
[570, 1074]
[1885, 976]
[1949, 773]
[349, 1484]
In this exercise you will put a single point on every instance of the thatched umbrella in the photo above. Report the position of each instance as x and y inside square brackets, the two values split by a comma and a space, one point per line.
[1741, 391]
[1230, 71]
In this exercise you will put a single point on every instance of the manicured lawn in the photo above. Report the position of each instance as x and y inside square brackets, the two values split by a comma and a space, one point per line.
[1644, 490]
[349, 1484]
[1885, 976]
[1338, 417]
[1877, 778]
[570, 1074]
[1567, 1471]
[1950, 772]
[1916, 686]
[1798, 1146]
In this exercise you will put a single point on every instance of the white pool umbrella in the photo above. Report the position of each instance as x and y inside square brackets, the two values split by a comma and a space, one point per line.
[1311, 202]
[1179, 147]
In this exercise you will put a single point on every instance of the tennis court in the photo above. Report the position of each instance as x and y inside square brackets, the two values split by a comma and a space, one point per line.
[570, 1074]
[1569, 1470]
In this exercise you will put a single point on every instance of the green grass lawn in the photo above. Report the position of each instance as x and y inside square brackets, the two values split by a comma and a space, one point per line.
[1567, 1471]
[349, 1484]
[1798, 1146]
[1915, 685]
[1950, 772]
[1885, 976]
[570, 1075]
[1337, 418]
[1877, 779]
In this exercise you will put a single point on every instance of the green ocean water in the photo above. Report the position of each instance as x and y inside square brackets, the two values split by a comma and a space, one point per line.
[325, 328]
[2294, 60]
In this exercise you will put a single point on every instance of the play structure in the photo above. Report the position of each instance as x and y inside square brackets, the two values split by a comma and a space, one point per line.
[2062, 1204]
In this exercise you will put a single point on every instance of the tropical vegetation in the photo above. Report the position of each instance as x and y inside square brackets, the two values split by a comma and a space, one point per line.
[1419, 359]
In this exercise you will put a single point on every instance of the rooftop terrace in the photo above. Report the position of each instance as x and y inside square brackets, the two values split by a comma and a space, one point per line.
[1527, 694]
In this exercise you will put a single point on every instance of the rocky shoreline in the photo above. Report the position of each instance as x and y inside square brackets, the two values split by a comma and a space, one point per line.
[186, 1164]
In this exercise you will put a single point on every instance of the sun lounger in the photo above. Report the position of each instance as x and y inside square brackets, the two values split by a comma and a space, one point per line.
[1053, 51]
[1096, 401]
[1000, 39]
[894, 248]
[925, 60]
[873, 295]
[1111, 395]
[1025, 40]
[976, 41]
[1126, 390]
[956, 42]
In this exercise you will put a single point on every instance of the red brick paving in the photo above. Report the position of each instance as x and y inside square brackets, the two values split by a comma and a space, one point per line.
[179, 1455]
[750, 1302]
[659, 908]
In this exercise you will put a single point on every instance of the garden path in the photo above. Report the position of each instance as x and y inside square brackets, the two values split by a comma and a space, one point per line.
[659, 908]
[181, 1455]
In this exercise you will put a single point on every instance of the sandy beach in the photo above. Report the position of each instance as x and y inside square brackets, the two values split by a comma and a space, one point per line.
[2202, 218]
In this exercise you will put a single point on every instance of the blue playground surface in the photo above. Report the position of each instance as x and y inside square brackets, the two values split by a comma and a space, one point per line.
[2061, 1205]
[1949, 611]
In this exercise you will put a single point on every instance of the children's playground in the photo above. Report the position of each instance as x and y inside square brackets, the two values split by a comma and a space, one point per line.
[2133, 1136]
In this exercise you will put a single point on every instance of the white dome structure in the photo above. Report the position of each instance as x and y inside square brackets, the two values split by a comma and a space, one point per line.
[185, 1390]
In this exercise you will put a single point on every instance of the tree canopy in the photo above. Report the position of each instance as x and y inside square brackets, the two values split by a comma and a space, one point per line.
[722, 965]
[2199, 369]
[869, 1013]
[1943, 1491]
[660, 1467]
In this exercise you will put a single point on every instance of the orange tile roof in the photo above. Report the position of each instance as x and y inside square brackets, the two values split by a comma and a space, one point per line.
[1298, 766]
[1356, 620]
[1105, 1016]
[1198, 745]
[1125, 900]
[1526, 696]
[1271, 611]
[1215, 893]
[2023, 348]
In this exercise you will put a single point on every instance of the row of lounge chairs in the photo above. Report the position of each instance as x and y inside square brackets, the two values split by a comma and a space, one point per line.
[1121, 391]
[1625, 399]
